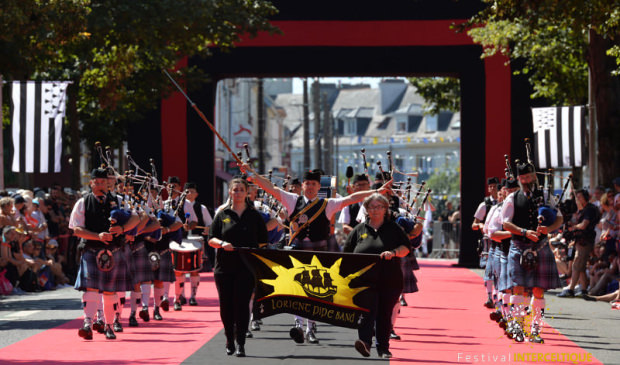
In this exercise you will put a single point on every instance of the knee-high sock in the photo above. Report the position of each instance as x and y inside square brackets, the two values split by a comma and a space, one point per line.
[121, 303]
[489, 285]
[89, 302]
[310, 325]
[146, 294]
[166, 292]
[179, 287]
[538, 313]
[195, 281]
[110, 302]
[517, 310]
[395, 313]
[134, 300]
[506, 305]
[100, 307]
[158, 294]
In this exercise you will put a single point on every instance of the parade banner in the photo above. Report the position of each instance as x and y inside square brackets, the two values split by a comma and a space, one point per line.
[336, 288]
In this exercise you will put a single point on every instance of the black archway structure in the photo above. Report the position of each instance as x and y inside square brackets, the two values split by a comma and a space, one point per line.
[322, 38]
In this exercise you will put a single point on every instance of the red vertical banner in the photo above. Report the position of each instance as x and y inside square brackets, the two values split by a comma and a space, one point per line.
[174, 133]
[498, 114]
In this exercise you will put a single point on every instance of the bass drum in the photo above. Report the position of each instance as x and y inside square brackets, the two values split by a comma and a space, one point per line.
[187, 255]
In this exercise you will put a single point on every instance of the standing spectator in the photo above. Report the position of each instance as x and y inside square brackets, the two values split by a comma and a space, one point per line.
[587, 218]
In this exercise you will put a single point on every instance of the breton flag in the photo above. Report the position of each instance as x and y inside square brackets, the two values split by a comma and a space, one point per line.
[37, 110]
[560, 135]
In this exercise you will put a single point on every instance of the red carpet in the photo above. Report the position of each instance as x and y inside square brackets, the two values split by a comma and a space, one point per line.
[446, 323]
[169, 341]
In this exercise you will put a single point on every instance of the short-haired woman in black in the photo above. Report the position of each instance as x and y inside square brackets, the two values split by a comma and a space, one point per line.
[238, 224]
[380, 235]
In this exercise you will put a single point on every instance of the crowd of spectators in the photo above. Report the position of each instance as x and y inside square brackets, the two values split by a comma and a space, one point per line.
[586, 249]
[36, 247]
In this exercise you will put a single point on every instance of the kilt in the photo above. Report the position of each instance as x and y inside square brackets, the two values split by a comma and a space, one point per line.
[545, 275]
[165, 272]
[410, 282]
[139, 263]
[496, 265]
[502, 279]
[90, 277]
[488, 270]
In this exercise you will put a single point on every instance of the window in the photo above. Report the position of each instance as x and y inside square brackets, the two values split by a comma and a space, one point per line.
[431, 123]
[350, 127]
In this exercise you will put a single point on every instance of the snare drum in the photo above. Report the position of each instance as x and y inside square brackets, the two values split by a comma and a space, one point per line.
[187, 256]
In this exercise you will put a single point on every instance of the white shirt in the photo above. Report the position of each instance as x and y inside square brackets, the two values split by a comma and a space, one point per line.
[493, 222]
[188, 207]
[290, 199]
[508, 208]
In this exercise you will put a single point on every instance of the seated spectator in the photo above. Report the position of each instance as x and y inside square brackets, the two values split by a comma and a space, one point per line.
[55, 261]
[7, 217]
[597, 264]
[609, 274]
[19, 270]
[40, 230]
[613, 298]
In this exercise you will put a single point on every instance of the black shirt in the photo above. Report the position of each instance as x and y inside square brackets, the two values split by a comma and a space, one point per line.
[246, 231]
[365, 239]
[589, 212]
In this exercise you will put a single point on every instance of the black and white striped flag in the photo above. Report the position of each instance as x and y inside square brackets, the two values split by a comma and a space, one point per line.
[560, 136]
[37, 110]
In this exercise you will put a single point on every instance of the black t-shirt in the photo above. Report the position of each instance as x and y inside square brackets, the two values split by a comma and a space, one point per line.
[589, 212]
[365, 239]
[246, 231]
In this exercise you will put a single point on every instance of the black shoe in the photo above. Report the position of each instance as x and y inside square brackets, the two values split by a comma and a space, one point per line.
[156, 315]
[495, 316]
[192, 301]
[362, 347]
[259, 321]
[535, 338]
[165, 304]
[133, 322]
[394, 336]
[254, 326]
[230, 349]
[249, 334]
[86, 332]
[144, 314]
[297, 334]
[567, 293]
[177, 306]
[502, 323]
[99, 326]
[240, 351]
[489, 303]
[311, 337]
[384, 354]
[588, 298]
[403, 302]
[109, 333]
[182, 299]
[117, 326]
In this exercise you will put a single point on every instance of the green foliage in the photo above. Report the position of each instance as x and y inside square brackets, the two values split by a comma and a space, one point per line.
[444, 182]
[115, 50]
[551, 36]
[439, 93]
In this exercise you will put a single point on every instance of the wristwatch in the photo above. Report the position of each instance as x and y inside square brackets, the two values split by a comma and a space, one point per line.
[523, 232]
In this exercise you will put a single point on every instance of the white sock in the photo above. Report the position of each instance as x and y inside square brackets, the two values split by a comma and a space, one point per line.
[166, 293]
[505, 304]
[100, 307]
[134, 300]
[178, 288]
[110, 302]
[489, 285]
[195, 281]
[517, 307]
[89, 302]
[158, 295]
[538, 312]
[120, 297]
[146, 294]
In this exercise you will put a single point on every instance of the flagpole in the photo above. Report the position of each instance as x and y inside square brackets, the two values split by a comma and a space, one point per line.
[1, 138]
[593, 148]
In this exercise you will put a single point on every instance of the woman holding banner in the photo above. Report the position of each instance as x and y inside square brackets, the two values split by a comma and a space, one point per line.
[382, 236]
[238, 224]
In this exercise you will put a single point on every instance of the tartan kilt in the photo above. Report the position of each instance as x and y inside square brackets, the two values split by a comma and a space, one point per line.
[139, 263]
[90, 277]
[410, 282]
[545, 275]
[165, 272]
[488, 270]
[496, 265]
[503, 278]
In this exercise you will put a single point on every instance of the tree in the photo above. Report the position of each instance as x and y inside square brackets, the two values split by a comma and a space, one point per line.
[559, 40]
[439, 93]
[114, 52]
